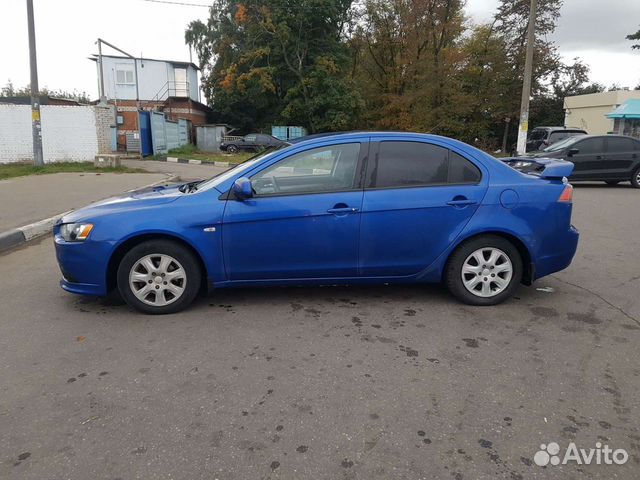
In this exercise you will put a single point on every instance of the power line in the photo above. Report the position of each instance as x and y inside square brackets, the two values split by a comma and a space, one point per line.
[273, 7]
[186, 4]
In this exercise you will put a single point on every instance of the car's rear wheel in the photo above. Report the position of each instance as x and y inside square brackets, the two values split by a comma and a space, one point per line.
[485, 270]
[635, 178]
[612, 183]
[158, 277]
[232, 149]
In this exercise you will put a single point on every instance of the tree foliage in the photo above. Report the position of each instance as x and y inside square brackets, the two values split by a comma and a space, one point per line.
[278, 61]
[9, 90]
[381, 64]
[634, 37]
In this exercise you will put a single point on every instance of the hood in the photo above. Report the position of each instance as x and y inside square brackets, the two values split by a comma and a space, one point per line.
[137, 199]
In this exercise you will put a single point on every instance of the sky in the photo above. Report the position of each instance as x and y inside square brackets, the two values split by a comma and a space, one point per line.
[66, 31]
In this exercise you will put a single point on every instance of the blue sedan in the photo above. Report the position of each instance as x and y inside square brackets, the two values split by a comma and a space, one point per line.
[335, 209]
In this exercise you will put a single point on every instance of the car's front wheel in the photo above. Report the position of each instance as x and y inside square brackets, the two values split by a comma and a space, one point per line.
[485, 270]
[158, 277]
[635, 178]
[232, 149]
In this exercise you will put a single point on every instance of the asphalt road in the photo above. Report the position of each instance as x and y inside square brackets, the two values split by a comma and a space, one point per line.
[340, 383]
[32, 198]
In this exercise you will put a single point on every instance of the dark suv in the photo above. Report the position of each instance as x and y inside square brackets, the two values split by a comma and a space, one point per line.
[252, 142]
[609, 158]
[541, 137]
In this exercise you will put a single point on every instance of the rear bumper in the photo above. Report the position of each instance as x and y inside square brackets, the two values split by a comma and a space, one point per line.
[559, 260]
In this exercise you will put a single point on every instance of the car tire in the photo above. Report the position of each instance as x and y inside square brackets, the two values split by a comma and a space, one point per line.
[635, 178]
[232, 149]
[172, 284]
[461, 271]
[612, 183]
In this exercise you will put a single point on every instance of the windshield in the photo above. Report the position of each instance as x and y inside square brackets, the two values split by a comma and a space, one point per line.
[238, 169]
[562, 144]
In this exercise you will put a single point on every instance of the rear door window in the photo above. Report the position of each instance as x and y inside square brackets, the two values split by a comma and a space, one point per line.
[620, 145]
[411, 164]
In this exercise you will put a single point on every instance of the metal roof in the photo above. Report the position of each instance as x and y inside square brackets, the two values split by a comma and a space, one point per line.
[94, 57]
[629, 109]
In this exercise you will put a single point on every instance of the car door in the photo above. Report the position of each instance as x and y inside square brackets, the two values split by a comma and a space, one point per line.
[418, 197]
[303, 220]
[262, 141]
[589, 161]
[621, 155]
[248, 142]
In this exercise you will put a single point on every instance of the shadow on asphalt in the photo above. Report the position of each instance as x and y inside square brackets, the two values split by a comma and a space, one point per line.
[252, 298]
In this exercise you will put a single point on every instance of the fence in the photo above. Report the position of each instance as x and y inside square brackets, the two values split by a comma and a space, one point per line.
[158, 134]
[69, 133]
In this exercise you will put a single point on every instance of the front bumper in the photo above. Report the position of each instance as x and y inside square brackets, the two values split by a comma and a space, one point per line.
[83, 266]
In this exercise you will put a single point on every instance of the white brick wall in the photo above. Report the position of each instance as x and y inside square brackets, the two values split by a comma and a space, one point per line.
[15, 133]
[68, 133]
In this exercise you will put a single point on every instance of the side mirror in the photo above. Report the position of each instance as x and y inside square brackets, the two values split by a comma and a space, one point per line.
[572, 152]
[242, 188]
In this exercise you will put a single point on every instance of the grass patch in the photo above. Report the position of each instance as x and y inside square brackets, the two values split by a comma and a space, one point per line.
[11, 170]
[189, 151]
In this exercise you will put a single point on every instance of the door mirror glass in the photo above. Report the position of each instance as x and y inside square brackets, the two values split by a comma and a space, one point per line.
[242, 188]
[572, 152]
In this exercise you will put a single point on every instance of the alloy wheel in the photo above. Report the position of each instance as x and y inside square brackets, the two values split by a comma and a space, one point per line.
[157, 279]
[487, 272]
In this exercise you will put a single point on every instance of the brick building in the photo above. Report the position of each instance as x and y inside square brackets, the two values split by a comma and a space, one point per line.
[150, 84]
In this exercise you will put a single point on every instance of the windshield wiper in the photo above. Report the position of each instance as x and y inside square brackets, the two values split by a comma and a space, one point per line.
[190, 187]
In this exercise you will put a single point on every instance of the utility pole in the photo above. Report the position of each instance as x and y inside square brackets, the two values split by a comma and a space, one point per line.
[526, 83]
[36, 127]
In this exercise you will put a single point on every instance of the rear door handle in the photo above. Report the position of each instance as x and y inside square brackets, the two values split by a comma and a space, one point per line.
[342, 210]
[461, 202]
[599, 157]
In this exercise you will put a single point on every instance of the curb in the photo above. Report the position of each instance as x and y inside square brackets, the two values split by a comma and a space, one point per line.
[194, 162]
[20, 235]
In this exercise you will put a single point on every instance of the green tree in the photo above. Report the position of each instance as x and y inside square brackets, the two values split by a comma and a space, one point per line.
[634, 37]
[9, 90]
[277, 61]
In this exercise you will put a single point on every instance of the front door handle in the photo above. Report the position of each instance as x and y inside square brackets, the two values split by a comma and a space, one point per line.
[599, 157]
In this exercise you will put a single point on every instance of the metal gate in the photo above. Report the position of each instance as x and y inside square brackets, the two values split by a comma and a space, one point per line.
[146, 144]
[158, 133]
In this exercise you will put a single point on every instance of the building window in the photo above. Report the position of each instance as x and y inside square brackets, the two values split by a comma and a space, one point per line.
[124, 75]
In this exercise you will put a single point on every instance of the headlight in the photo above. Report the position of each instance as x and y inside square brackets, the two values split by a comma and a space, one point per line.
[75, 232]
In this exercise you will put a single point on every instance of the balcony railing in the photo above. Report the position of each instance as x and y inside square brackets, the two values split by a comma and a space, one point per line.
[173, 89]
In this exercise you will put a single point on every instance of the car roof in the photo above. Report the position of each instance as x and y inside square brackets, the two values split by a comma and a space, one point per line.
[555, 129]
[375, 134]
[606, 136]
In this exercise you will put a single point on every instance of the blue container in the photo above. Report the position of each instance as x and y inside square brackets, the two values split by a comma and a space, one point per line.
[288, 132]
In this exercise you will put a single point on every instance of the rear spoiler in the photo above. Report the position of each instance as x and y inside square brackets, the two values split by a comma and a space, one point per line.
[549, 168]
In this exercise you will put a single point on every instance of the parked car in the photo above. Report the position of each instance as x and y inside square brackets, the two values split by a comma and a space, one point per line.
[608, 158]
[541, 137]
[340, 209]
[253, 143]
